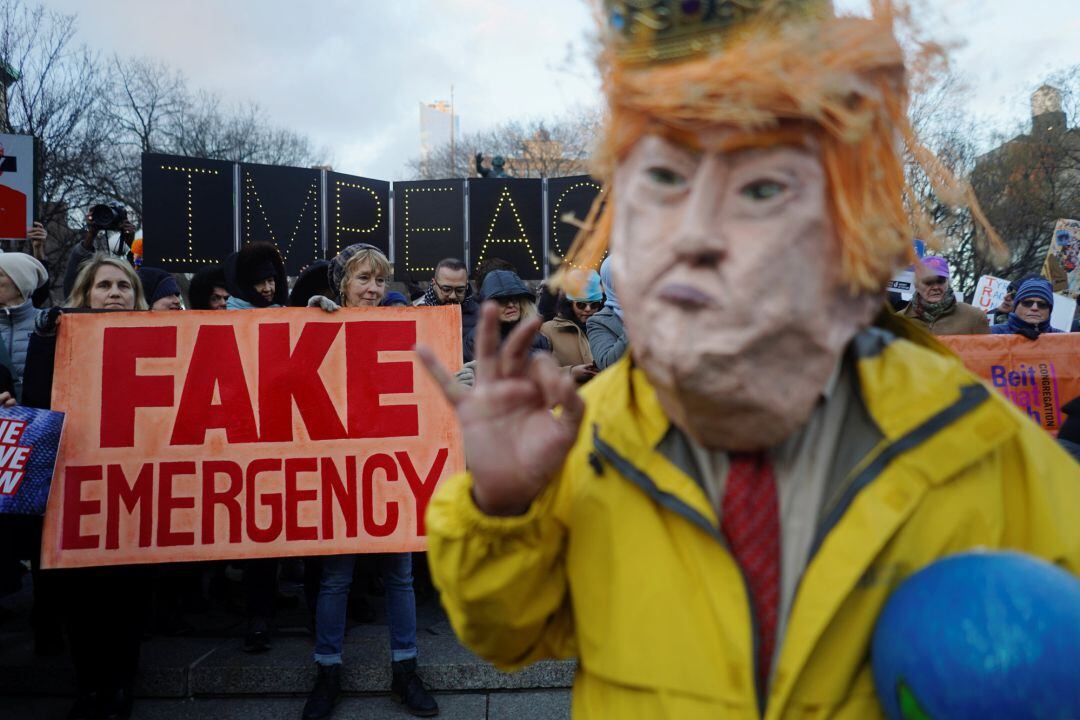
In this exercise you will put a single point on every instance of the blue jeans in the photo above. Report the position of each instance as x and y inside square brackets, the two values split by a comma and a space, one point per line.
[331, 607]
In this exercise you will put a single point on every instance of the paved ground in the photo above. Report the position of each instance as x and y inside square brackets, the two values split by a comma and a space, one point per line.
[202, 673]
[524, 705]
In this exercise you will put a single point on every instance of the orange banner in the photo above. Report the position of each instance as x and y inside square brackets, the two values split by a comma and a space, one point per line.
[262, 433]
[1038, 376]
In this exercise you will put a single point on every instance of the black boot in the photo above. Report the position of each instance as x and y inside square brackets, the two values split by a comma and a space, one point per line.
[324, 696]
[87, 707]
[257, 637]
[408, 690]
[116, 705]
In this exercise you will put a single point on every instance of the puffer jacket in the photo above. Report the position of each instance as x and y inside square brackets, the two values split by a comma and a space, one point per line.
[16, 325]
[620, 562]
[607, 338]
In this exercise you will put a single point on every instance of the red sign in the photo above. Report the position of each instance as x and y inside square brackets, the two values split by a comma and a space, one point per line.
[266, 433]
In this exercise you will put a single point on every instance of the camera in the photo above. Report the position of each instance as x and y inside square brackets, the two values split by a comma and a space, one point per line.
[108, 216]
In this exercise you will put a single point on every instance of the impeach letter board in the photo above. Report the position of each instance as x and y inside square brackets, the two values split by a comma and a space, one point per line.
[359, 212]
[282, 205]
[505, 221]
[573, 197]
[429, 225]
[187, 211]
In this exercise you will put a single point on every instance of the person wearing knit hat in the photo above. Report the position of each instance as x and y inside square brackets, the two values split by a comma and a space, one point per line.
[1032, 305]
[20, 276]
[25, 271]
[567, 331]
[395, 299]
[713, 525]
[359, 277]
[162, 290]
[936, 308]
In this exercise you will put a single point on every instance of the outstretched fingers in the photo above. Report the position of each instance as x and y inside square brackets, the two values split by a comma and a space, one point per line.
[453, 391]
[558, 390]
[514, 355]
[486, 350]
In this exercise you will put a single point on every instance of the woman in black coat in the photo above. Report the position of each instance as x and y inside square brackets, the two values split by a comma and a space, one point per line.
[104, 607]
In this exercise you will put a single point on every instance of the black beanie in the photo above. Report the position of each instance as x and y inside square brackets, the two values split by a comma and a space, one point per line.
[157, 284]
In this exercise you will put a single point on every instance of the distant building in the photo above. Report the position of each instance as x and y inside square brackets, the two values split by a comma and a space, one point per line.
[543, 156]
[438, 125]
[1030, 181]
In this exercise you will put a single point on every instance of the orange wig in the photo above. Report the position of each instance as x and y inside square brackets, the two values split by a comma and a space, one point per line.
[841, 80]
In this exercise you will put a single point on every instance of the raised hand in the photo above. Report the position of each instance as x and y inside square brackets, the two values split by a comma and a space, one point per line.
[514, 443]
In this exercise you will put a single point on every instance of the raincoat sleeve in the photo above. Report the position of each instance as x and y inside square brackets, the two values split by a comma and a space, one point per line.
[502, 579]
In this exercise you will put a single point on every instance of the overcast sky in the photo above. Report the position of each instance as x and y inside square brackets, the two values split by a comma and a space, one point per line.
[350, 73]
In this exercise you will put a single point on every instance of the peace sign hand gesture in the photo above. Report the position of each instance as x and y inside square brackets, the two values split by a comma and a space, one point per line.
[514, 444]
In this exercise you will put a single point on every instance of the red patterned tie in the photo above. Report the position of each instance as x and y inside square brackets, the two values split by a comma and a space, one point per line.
[751, 524]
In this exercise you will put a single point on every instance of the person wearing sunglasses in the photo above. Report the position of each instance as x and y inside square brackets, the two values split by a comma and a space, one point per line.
[936, 308]
[1031, 312]
[516, 304]
[569, 341]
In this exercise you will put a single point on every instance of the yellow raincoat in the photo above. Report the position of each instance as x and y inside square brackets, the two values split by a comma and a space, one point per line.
[619, 562]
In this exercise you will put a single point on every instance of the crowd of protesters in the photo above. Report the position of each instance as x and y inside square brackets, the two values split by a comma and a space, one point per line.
[100, 615]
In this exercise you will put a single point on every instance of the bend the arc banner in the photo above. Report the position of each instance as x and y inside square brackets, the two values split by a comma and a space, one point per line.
[1038, 376]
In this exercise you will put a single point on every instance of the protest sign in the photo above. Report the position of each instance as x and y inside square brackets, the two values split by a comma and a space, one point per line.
[1038, 376]
[283, 206]
[359, 212]
[28, 442]
[266, 433]
[16, 185]
[990, 292]
[1065, 247]
[1061, 317]
[429, 224]
[903, 282]
[197, 211]
[505, 221]
[188, 218]
[569, 202]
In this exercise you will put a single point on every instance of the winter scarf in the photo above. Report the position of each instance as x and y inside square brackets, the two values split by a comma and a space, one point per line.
[1016, 326]
[930, 312]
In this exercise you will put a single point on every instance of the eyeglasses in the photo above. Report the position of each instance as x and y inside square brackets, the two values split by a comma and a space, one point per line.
[1037, 304]
[453, 289]
[583, 305]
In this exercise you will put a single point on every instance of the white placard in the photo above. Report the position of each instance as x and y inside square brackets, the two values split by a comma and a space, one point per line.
[903, 282]
[990, 292]
[1062, 315]
[16, 185]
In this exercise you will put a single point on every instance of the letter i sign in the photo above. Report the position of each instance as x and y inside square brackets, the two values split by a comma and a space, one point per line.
[13, 456]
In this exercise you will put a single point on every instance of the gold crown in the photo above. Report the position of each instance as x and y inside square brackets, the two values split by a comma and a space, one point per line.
[650, 31]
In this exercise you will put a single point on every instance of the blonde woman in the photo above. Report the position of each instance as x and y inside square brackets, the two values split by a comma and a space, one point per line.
[103, 607]
[106, 282]
[516, 303]
[360, 276]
